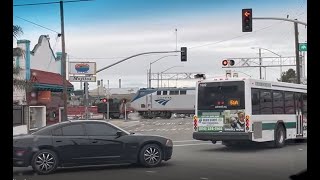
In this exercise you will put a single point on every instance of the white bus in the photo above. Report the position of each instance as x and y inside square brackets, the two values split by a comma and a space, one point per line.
[237, 110]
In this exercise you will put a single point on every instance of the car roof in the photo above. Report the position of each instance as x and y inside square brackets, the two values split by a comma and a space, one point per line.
[93, 120]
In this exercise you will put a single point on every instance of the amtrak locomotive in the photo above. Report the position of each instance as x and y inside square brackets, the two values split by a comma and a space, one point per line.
[163, 102]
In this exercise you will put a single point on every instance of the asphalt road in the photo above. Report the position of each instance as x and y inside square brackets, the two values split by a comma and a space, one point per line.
[194, 160]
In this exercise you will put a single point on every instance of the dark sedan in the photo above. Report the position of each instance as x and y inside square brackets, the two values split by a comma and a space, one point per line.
[87, 142]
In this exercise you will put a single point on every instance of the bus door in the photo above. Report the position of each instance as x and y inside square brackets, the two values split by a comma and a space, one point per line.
[299, 115]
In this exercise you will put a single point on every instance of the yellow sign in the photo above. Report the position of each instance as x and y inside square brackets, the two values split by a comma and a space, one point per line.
[234, 102]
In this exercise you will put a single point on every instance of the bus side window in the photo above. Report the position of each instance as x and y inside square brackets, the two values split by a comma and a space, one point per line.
[289, 103]
[158, 92]
[164, 92]
[278, 105]
[255, 98]
[265, 102]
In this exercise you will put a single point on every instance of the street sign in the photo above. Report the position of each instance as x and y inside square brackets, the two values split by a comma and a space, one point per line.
[302, 46]
[82, 78]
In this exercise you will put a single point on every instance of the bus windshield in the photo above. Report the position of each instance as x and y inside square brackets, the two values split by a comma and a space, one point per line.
[221, 96]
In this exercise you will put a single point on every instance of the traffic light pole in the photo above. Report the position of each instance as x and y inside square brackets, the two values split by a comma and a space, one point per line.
[156, 52]
[296, 38]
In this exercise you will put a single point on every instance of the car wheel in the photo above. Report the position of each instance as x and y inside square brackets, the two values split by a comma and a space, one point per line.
[44, 161]
[280, 137]
[150, 155]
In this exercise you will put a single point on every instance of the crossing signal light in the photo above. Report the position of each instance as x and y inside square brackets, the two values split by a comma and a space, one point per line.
[183, 54]
[104, 100]
[225, 62]
[228, 62]
[246, 20]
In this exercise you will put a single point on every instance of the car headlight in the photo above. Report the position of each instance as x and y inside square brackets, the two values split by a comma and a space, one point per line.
[169, 143]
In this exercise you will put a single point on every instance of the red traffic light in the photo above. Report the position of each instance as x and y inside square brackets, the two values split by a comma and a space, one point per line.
[225, 62]
[247, 13]
[104, 100]
[246, 20]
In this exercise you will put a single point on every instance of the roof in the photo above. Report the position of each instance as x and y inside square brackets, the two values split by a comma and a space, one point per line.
[39, 44]
[48, 78]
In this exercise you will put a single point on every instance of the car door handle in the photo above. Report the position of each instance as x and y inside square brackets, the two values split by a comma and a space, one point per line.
[58, 141]
[94, 141]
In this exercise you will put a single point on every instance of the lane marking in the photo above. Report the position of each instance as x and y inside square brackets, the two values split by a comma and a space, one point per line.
[188, 141]
[192, 144]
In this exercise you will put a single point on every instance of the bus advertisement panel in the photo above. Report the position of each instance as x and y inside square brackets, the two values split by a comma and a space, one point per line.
[221, 107]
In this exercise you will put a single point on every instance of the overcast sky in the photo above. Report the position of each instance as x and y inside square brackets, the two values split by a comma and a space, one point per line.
[106, 31]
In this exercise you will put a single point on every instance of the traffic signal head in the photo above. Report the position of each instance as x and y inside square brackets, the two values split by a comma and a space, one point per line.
[183, 54]
[246, 20]
[104, 100]
[228, 62]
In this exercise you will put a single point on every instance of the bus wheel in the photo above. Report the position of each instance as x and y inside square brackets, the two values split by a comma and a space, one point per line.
[280, 137]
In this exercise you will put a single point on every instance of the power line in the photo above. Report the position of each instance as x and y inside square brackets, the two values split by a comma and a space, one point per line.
[56, 2]
[235, 36]
[37, 24]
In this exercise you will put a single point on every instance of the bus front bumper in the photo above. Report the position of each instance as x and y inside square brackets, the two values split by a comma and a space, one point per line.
[221, 136]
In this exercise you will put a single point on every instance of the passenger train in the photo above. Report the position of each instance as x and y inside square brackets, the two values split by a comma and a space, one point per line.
[163, 102]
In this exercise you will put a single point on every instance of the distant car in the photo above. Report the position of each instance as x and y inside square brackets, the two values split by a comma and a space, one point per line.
[87, 142]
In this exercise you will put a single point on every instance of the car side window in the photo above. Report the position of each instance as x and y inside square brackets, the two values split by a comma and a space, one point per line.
[73, 130]
[100, 129]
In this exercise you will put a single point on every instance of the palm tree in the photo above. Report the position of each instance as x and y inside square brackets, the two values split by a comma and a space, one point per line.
[18, 84]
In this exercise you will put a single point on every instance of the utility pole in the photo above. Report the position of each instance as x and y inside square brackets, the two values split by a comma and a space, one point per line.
[260, 63]
[296, 38]
[63, 66]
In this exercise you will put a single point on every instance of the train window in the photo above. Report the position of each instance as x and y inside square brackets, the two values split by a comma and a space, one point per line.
[143, 106]
[158, 92]
[164, 92]
[183, 92]
[174, 92]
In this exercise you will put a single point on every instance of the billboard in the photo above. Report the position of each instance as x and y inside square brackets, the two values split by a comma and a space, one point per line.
[82, 68]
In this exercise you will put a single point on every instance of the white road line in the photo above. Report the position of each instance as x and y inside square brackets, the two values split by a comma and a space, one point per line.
[188, 141]
[192, 144]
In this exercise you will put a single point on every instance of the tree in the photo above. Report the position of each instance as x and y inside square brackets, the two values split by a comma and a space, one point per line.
[288, 76]
[20, 84]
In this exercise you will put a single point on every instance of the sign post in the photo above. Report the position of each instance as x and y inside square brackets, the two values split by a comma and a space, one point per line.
[125, 111]
[83, 72]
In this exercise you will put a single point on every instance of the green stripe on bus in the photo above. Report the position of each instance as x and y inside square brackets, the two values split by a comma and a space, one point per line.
[271, 126]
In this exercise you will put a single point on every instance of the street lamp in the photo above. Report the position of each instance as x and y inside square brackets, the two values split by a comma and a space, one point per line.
[167, 70]
[260, 60]
[155, 62]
